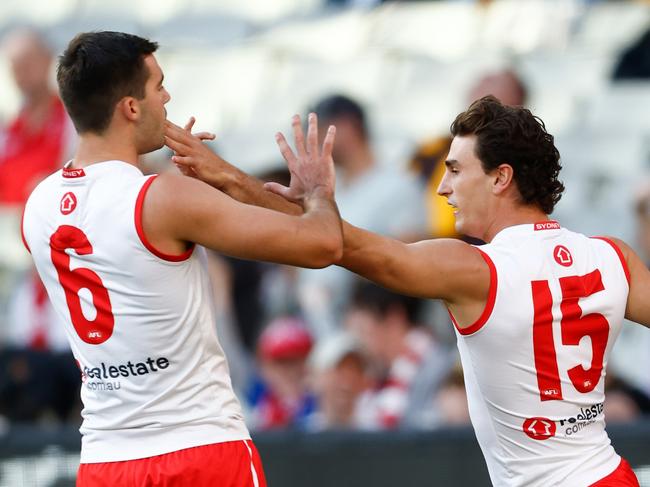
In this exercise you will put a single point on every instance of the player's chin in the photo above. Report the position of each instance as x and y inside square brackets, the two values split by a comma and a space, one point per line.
[460, 225]
[154, 146]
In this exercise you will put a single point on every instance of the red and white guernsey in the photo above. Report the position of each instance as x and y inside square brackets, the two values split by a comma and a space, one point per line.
[534, 362]
[140, 323]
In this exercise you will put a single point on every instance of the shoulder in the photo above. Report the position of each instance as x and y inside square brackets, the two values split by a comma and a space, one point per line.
[44, 187]
[181, 199]
[176, 190]
[467, 270]
[628, 258]
[615, 242]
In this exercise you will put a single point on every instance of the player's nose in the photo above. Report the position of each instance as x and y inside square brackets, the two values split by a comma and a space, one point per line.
[444, 189]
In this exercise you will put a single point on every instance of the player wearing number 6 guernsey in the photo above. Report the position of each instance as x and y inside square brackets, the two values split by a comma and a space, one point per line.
[116, 251]
[537, 309]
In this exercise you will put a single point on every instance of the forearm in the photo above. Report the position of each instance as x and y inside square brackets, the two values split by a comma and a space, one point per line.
[250, 190]
[370, 255]
[322, 226]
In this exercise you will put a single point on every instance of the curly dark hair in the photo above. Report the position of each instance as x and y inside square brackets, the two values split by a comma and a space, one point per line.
[513, 135]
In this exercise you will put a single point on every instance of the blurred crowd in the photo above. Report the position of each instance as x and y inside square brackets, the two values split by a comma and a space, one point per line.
[311, 350]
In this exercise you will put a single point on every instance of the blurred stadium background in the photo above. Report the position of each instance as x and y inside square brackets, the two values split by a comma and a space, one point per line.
[244, 67]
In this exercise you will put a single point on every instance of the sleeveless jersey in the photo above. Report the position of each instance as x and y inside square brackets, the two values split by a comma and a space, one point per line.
[535, 361]
[141, 324]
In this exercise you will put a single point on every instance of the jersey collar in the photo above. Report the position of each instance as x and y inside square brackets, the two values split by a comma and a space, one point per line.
[98, 168]
[546, 226]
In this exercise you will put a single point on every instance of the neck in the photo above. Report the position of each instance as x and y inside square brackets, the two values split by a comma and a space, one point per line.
[109, 146]
[357, 161]
[517, 216]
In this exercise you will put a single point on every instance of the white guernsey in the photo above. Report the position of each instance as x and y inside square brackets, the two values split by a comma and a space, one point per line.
[140, 323]
[535, 361]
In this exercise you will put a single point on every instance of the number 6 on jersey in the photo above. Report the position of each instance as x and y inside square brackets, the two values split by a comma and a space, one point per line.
[100, 329]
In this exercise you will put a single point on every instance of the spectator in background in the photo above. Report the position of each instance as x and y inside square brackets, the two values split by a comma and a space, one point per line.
[40, 138]
[374, 195]
[429, 157]
[409, 365]
[279, 397]
[38, 376]
[340, 380]
[450, 402]
[39, 379]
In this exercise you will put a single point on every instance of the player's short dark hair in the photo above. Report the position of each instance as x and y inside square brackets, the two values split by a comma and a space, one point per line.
[513, 135]
[340, 106]
[379, 301]
[96, 71]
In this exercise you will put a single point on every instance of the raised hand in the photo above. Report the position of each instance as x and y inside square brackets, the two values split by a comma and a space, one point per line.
[312, 170]
[192, 156]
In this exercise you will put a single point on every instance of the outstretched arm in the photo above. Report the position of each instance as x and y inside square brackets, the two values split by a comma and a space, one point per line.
[194, 158]
[638, 304]
[447, 269]
[179, 209]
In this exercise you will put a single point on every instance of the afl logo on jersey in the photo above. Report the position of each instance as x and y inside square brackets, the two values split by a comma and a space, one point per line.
[539, 428]
[68, 203]
[562, 256]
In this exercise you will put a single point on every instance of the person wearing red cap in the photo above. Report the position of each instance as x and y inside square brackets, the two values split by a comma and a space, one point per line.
[279, 397]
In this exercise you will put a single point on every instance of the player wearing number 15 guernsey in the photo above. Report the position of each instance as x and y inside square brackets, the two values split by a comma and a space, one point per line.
[116, 251]
[537, 309]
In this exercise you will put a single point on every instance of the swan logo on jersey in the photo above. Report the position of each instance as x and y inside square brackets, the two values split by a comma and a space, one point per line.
[539, 428]
[563, 256]
[68, 203]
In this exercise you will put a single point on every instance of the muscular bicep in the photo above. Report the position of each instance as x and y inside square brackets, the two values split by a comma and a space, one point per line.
[638, 304]
[450, 270]
[445, 269]
[189, 210]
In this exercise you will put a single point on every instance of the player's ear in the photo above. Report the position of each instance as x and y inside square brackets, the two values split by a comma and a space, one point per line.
[130, 108]
[503, 176]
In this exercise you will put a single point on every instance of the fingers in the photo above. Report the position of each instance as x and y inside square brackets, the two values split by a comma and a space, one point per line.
[328, 143]
[183, 135]
[176, 146]
[190, 123]
[285, 150]
[173, 131]
[205, 135]
[184, 161]
[278, 189]
[298, 136]
[312, 135]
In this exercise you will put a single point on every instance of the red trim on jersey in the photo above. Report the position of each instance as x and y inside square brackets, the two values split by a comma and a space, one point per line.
[73, 173]
[139, 203]
[620, 256]
[22, 231]
[489, 305]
